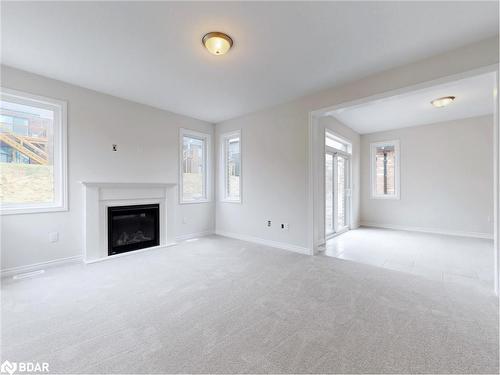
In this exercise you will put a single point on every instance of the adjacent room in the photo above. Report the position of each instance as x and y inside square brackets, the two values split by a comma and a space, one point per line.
[249, 187]
[427, 188]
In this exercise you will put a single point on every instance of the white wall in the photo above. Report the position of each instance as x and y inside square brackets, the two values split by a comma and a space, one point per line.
[275, 142]
[147, 140]
[446, 178]
[274, 171]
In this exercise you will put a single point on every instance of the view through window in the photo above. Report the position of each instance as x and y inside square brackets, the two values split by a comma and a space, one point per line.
[385, 169]
[232, 167]
[194, 151]
[385, 157]
[27, 146]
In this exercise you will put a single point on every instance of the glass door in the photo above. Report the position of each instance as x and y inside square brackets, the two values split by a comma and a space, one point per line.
[341, 198]
[337, 192]
[329, 194]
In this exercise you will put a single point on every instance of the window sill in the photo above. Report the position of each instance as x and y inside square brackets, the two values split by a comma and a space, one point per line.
[31, 210]
[195, 202]
[230, 201]
[385, 197]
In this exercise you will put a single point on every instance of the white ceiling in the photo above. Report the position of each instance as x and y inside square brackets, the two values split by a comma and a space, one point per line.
[151, 52]
[474, 97]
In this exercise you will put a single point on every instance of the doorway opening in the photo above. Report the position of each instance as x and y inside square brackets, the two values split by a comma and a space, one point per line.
[383, 200]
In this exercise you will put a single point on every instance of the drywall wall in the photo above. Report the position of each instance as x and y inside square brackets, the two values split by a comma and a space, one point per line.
[147, 140]
[275, 148]
[446, 178]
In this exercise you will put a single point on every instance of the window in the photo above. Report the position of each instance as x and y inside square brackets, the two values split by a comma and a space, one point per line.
[32, 153]
[194, 166]
[385, 169]
[333, 141]
[231, 166]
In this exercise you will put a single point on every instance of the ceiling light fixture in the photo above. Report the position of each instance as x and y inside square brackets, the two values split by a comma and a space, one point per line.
[217, 43]
[442, 102]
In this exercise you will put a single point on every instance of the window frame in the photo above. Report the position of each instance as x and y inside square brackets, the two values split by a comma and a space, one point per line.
[373, 170]
[60, 146]
[329, 134]
[223, 170]
[206, 138]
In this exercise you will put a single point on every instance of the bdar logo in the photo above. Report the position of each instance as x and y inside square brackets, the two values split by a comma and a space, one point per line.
[8, 367]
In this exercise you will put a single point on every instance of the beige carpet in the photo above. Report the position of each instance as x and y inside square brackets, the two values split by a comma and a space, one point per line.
[218, 305]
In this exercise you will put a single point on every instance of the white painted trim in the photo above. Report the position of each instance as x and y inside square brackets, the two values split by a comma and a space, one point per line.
[326, 111]
[261, 241]
[428, 230]
[312, 184]
[60, 147]
[39, 266]
[208, 167]
[496, 183]
[97, 198]
[336, 137]
[184, 237]
[397, 169]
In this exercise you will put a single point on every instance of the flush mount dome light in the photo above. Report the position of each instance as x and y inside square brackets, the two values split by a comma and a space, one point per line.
[217, 43]
[442, 102]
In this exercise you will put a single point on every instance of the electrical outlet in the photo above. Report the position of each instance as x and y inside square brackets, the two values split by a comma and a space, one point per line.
[285, 226]
[269, 223]
[115, 147]
[53, 236]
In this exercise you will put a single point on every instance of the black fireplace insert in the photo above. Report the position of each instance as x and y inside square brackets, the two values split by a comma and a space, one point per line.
[133, 227]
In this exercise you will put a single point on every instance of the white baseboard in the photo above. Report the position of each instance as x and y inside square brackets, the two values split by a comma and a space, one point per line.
[261, 241]
[428, 230]
[39, 266]
[184, 237]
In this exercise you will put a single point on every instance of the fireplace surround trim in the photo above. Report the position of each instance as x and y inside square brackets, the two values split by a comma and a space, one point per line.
[98, 196]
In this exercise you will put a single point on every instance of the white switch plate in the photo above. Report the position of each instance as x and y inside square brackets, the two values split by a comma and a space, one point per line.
[54, 236]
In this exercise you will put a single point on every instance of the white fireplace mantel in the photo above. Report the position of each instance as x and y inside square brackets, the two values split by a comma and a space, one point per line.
[98, 196]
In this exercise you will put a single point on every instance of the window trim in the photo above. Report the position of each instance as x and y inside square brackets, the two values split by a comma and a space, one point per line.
[60, 142]
[223, 170]
[397, 164]
[334, 136]
[207, 167]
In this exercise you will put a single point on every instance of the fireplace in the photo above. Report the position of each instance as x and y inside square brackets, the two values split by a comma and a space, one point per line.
[133, 227]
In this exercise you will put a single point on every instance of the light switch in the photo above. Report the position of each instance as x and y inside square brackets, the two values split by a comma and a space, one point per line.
[54, 236]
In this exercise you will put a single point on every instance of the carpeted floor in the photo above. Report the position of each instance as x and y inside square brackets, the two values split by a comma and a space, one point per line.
[219, 305]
